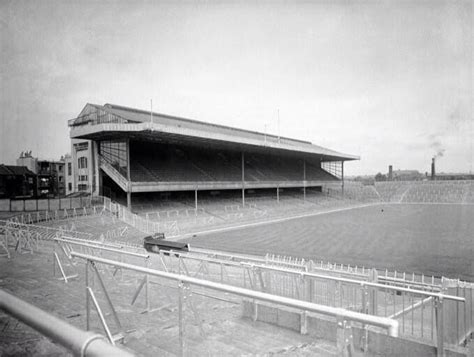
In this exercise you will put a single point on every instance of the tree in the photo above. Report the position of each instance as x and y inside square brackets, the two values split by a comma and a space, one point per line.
[380, 177]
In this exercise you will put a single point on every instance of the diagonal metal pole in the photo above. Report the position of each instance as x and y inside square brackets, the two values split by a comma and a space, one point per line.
[137, 292]
[87, 296]
[101, 316]
[109, 301]
[181, 317]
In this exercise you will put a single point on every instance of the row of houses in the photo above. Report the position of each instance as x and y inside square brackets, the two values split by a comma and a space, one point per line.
[33, 177]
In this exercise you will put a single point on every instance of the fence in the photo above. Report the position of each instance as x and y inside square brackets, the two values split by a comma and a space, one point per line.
[174, 213]
[460, 321]
[46, 216]
[140, 223]
[440, 311]
[29, 238]
[345, 317]
[426, 310]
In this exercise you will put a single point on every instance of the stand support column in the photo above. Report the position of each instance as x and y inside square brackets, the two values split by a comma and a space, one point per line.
[243, 179]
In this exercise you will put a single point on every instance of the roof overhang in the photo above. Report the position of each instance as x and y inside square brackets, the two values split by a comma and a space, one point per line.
[134, 124]
[186, 136]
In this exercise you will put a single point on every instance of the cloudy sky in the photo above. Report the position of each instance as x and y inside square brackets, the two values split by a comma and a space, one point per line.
[391, 81]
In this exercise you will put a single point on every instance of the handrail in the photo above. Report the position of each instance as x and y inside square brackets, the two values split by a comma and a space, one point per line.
[79, 342]
[115, 174]
[114, 245]
[359, 282]
[383, 322]
[124, 252]
[226, 254]
[26, 227]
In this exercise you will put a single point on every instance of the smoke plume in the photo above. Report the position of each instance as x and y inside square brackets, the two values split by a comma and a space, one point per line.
[437, 146]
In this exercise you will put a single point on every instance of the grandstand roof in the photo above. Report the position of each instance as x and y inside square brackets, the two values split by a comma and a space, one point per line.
[111, 121]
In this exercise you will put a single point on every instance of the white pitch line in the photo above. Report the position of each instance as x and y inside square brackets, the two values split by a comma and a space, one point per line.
[277, 220]
[432, 203]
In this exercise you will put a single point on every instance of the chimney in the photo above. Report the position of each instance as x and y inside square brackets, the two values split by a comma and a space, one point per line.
[433, 170]
[390, 172]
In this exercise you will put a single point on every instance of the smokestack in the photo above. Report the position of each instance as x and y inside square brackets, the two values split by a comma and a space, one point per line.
[433, 169]
[390, 172]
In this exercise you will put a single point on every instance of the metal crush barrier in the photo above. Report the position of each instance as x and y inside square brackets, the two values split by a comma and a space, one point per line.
[79, 342]
[343, 317]
[425, 310]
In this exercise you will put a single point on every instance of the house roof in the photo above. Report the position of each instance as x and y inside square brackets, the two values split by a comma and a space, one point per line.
[12, 170]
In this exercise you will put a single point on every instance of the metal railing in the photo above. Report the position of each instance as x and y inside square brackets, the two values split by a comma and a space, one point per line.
[102, 247]
[140, 223]
[79, 342]
[44, 231]
[424, 311]
[343, 315]
[56, 215]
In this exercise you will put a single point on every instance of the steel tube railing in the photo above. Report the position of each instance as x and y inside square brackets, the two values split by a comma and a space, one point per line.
[124, 252]
[359, 282]
[112, 245]
[79, 342]
[389, 324]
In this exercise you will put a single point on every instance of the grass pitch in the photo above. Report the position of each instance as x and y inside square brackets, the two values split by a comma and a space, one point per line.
[434, 239]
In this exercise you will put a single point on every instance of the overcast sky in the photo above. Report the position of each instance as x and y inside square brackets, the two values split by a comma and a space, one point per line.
[391, 81]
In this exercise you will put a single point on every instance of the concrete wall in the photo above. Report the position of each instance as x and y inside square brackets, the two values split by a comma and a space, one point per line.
[45, 204]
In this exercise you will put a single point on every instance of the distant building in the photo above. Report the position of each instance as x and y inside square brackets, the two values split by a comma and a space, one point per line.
[51, 180]
[17, 182]
[28, 161]
[69, 176]
[407, 175]
[454, 176]
[50, 174]
[81, 158]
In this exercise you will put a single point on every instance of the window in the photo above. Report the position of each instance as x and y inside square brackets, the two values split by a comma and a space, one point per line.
[60, 168]
[60, 179]
[69, 186]
[69, 169]
[81, 146]
[82, 177]
[82, 187]
[82, 163]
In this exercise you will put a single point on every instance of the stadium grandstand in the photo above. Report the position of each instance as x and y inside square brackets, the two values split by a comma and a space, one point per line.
[134, 151]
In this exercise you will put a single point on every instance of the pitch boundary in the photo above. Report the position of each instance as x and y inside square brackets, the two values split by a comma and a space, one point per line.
[276, 220]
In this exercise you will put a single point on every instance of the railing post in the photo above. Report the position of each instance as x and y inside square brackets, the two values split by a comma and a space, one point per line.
[303, 323]
[344, 338]
[87, 296]
[439, 326]
[373, 303]
[180, 317]
[147, 292]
